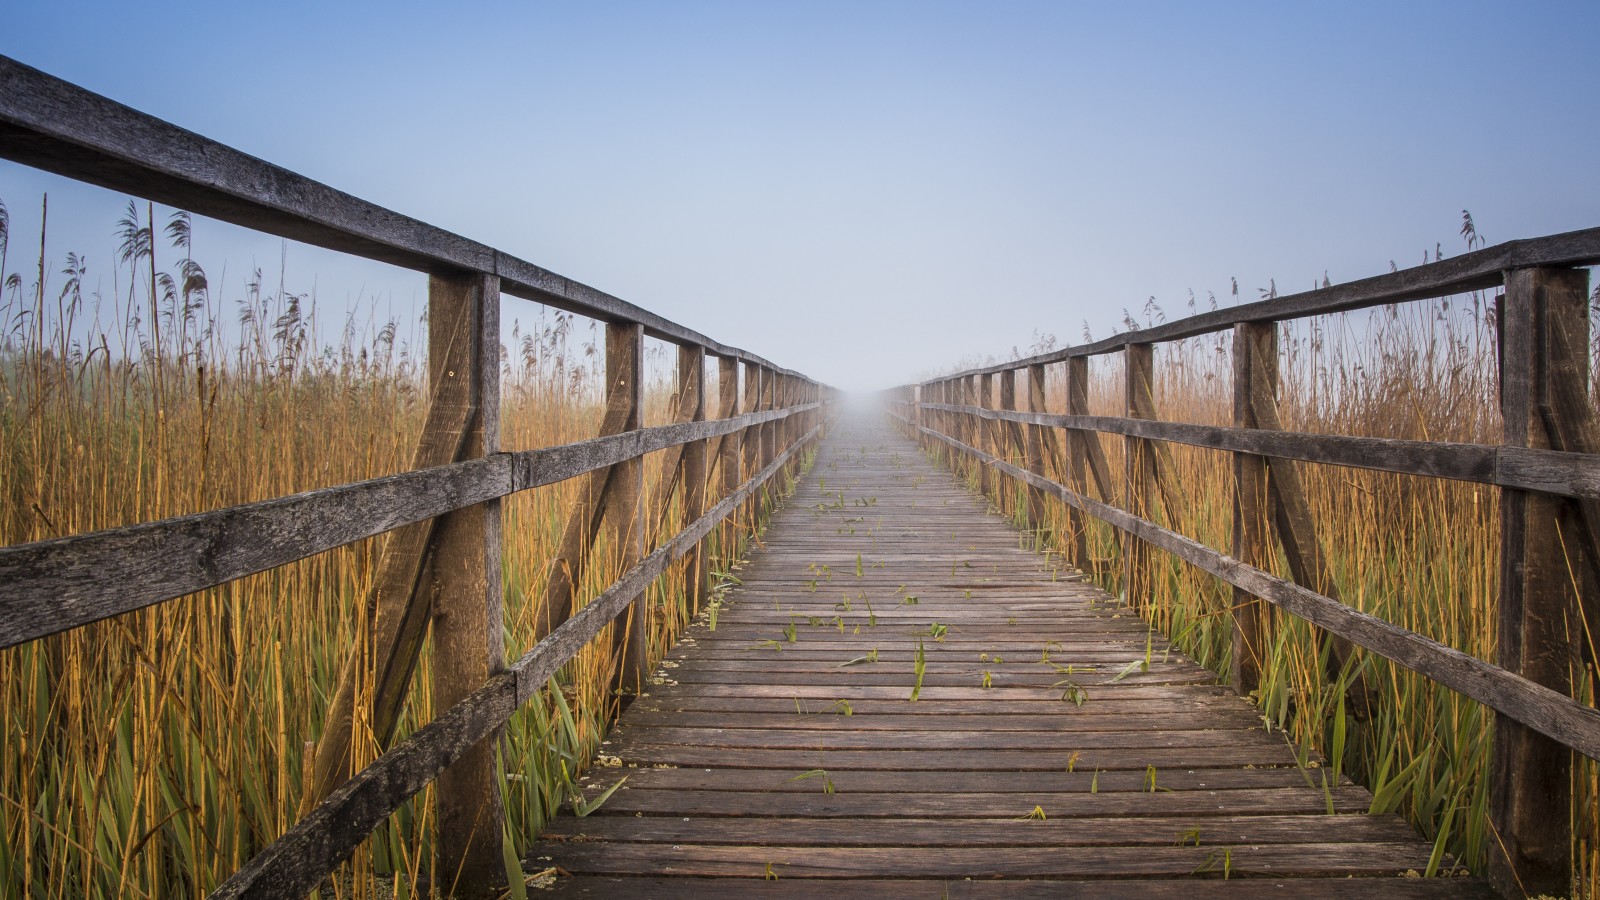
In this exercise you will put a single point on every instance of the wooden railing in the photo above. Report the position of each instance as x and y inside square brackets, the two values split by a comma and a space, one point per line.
[1546, 468]
[444, 554]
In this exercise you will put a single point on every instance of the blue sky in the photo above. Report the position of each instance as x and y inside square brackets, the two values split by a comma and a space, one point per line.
[866, 191]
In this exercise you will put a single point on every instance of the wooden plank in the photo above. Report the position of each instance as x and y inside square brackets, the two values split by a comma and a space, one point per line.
[1138, 481]
[1244, 861]
[1185, 888]
[464, 588]
[1541, 573]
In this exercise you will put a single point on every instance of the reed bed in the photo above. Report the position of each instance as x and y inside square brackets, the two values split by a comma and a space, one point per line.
[1422, 553]
[152, 754]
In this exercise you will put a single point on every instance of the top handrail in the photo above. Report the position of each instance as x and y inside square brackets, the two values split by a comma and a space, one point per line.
[57, 126]
[1469, 272]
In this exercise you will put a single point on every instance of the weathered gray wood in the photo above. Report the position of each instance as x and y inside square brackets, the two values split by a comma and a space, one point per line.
[1255, 359]
[1043, 453]
[692, 381]
[1540, 608]
[465, 590]
[1139, 478]
[1572, 474]
[625, 525]
[1083, 449]
[1542, 709]
[59, 127]
[728, 450]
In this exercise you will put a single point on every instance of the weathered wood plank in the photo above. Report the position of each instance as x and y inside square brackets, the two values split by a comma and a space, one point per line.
[463, 590]
[1541, 580]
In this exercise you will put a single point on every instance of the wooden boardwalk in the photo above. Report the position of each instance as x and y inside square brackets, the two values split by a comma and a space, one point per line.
[783, 751]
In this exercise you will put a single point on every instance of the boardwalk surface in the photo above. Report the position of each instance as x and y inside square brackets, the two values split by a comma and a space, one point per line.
[785, 754]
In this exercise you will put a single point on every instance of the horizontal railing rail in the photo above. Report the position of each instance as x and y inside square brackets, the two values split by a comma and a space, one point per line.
[443, 516]
[52, 586]
[1550, 471]
[1547, 468]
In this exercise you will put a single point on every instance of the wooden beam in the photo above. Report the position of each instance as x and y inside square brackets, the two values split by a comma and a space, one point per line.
[1541, 577]
[1255, 361]
[624, 511]
[1041, 447]
[1568, 473]
[692, 380]
[465, 588]
[1139, 478]
[727, 450]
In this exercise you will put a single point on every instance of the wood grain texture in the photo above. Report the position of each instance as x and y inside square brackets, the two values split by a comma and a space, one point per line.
[1542, 577]
[463, 591]
[741, 754]
[1571, 473]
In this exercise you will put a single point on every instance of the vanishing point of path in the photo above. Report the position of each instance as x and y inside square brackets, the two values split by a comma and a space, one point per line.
[782, 754]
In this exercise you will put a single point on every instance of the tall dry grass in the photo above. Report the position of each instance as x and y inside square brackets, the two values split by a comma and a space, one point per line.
[152, 754]
[1421, 553]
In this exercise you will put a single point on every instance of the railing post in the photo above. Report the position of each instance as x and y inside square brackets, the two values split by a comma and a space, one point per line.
[1041, 441]
[769, 430]
[1078, 457]
[986, 442]
[750, 436]
[624, 518]
[727, 449]
[1138, 361]
[692, 377]
[1541, 558]
[1255, 368]
[468, 632]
